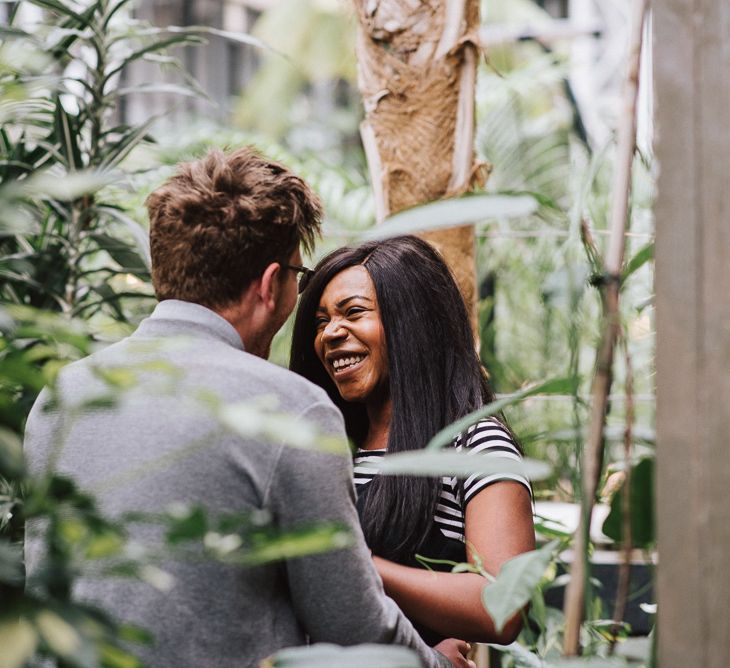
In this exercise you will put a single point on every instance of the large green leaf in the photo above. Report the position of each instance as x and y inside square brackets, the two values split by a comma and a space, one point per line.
[462, 464]
[447, 434]
[515, 583]
[641, 507]
[360, 656]
[453, 213]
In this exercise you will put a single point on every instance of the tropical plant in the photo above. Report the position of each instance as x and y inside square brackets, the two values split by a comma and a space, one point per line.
[79, 252]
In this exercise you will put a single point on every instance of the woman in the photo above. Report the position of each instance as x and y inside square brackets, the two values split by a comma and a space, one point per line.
[383, 328]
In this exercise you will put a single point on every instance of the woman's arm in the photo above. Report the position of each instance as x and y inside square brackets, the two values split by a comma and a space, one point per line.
[498, 526]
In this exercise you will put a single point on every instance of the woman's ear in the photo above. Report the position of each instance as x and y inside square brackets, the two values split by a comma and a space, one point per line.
[268, 289]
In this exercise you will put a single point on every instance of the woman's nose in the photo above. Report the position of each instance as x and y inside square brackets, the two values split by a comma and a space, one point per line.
[334, 330]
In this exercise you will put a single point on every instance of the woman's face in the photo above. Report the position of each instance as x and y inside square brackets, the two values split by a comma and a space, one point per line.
[349, 338]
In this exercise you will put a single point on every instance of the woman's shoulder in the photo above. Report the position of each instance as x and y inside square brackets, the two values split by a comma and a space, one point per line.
[489, 436]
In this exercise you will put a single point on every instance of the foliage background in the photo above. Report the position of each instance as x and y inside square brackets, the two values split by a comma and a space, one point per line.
[74, 264]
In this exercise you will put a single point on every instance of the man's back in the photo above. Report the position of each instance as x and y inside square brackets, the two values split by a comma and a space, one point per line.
[161, 445]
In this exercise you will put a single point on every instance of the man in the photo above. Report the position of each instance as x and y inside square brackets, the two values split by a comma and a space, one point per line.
[225, 236]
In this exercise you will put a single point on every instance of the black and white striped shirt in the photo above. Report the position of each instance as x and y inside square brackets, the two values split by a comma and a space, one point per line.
[487, 438]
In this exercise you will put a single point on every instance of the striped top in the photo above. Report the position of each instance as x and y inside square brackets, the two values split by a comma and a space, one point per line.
[487, 438]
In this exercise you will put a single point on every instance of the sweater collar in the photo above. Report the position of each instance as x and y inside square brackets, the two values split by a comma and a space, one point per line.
[187, 318]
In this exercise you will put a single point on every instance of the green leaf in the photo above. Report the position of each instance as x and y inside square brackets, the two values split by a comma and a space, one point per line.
[105, 543]
[158, 88]
[523, 658]
[140, 234]
[360, 656]
[114, 657]
[641, 507]
[514, 585]
[154, 47]
[462, 464]
[18, 640]
[239, 37]
[62, 638]
[453, 213]
[122, 253]
[588, 662]
[61, 8]
[258, 419]
[11, 452]
[126, 143]
[66, 134]
[64, 188]
[447, 434]
[639, 260]
[288, 545]
[190, 525]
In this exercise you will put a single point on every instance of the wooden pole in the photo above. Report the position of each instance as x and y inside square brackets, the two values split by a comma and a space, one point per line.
[691, 65]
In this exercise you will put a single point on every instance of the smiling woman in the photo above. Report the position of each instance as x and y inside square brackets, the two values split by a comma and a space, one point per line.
[383, 328]
[349, 340]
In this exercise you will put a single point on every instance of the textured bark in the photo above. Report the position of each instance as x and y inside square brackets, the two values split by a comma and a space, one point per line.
[417, 72]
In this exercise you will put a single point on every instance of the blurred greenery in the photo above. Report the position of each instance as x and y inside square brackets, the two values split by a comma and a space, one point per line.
[75, 274]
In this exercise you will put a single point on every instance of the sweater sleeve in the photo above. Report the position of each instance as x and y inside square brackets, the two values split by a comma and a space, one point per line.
[337, 596]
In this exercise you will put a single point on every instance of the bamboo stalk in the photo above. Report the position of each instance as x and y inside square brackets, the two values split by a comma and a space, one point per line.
[593, 452]
[624, 574]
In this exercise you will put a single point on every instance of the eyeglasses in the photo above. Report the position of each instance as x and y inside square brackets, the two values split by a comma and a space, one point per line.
[304, 278]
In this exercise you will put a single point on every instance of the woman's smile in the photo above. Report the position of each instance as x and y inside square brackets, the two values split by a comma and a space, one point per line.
[345, 365]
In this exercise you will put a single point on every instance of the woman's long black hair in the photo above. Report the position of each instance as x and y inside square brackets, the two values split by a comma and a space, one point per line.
[435, 374]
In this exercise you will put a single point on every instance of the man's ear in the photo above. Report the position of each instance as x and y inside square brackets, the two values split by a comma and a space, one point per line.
[268, 288]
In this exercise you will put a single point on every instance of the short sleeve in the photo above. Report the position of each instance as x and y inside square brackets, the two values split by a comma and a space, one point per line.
[489, 438]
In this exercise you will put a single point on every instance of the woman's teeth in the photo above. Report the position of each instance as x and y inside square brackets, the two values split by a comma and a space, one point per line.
[344, 362]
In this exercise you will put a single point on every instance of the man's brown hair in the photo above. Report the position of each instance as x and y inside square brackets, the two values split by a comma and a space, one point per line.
[221, 220]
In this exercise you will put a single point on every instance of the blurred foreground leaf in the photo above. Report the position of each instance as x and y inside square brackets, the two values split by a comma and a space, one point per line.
[447, 434]
[333, 656]
[453, 213]
[259, 419]
[461, 464]
[515, 583]
[18, 640]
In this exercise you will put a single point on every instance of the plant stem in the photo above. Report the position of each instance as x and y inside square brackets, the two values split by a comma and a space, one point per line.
[575, 602]
[624, 573]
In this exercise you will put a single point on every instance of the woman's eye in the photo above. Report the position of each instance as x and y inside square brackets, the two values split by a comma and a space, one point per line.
[354, 311]
[320, 322]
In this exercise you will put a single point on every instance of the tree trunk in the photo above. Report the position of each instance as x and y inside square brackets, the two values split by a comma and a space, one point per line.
[417, 73]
